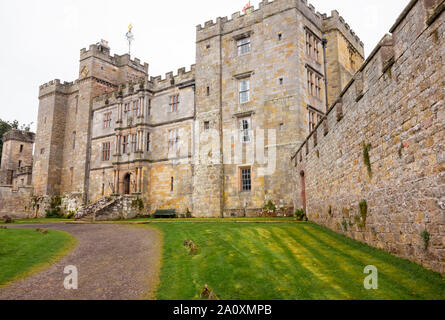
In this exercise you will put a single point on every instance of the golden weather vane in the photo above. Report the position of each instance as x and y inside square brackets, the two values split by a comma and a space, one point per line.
[130, 37]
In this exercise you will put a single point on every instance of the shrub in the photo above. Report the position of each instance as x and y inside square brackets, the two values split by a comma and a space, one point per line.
[70, 214]
[344, 225]
[366, 158]
[270, 209]
[426, 239]
[54, 210]
[363, 213]
[300, 215]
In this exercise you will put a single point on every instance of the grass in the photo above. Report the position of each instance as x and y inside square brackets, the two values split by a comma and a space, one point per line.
[24, 252]
[41, 221]
[290, 261]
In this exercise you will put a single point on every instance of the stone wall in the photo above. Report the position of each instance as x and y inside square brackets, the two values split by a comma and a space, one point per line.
[394, 108]
[15, 202]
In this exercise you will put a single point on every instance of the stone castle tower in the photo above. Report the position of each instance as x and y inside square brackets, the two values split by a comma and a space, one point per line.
[16, 166]
[216, 139]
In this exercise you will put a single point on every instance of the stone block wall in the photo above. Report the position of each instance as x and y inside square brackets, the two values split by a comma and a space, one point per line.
[15, 202]
[394, 111]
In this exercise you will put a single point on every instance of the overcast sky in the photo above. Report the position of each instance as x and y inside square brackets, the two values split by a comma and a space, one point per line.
[41, 40]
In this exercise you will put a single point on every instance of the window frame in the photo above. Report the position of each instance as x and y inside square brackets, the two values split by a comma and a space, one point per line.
[174, 103]
[134, 143]
[107, 119]
[106, 151]
[244, 45]
[242, 91]
[173, 140]
[245, 179]
[125, 145]
[245, 132]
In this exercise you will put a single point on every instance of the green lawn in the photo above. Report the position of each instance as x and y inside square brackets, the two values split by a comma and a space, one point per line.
[40, 221]
[283, 261]
[26, 251]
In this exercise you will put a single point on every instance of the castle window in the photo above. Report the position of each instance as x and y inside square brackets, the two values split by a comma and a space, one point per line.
[107, 120]
[173, 140]
[20, 163]
[246, 179]
[172, 184]
[208, 91]
[106, 151]
[281, 80]
[174, 103]
[127, 110]
[134, 140]
[312, 45]
[315, 117]
[280, 37]
[314, 82]
[135, 108]
[148, 141]
[42, 151]
[21, 148]
[74, 140]
[245, 127]
[243, 46]
[244, 90]
[125, 145]
[206, 125]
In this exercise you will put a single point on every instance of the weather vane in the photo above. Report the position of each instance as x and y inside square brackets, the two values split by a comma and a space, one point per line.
[130, 38]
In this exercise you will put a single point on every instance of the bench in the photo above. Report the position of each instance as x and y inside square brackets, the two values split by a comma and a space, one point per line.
[165, 214]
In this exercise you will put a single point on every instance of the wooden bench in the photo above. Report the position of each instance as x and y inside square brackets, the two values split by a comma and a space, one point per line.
[164, 214]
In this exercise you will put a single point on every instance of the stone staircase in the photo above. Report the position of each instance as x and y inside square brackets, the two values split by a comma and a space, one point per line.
[109, 208]
[89, 213]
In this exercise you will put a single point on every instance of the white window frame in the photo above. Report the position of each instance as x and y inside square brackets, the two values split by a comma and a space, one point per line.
[245, 125]
[243, 46]
[244, 92]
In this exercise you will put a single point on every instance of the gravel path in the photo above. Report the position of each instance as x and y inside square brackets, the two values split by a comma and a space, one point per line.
[114, 262]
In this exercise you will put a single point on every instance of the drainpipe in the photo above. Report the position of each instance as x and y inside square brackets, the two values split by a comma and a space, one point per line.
[325, 42]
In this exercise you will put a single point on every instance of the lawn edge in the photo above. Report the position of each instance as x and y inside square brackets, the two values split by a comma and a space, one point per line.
[152, 294]
[67, 248]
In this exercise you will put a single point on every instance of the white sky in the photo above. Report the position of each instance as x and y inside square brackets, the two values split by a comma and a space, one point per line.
[41, 39]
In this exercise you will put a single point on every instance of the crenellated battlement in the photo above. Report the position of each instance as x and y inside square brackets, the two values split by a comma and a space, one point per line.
[173, 79]
[154, 84]
[56, 86]
[335, 21]
[266, 8]
[102, 51]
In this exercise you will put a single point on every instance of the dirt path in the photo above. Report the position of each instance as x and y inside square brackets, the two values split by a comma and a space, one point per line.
[114, 262]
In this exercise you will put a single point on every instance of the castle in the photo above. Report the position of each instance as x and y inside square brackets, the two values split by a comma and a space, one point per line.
[280, 106]
[258, 83]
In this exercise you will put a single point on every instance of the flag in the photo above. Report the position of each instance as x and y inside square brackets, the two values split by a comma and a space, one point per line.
[247, 6]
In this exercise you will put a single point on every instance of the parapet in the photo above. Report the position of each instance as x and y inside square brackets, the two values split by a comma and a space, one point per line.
[335, 21]
[100, 51]
[266, 8]
[171, 79]
[19, 135]
[56, 86]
